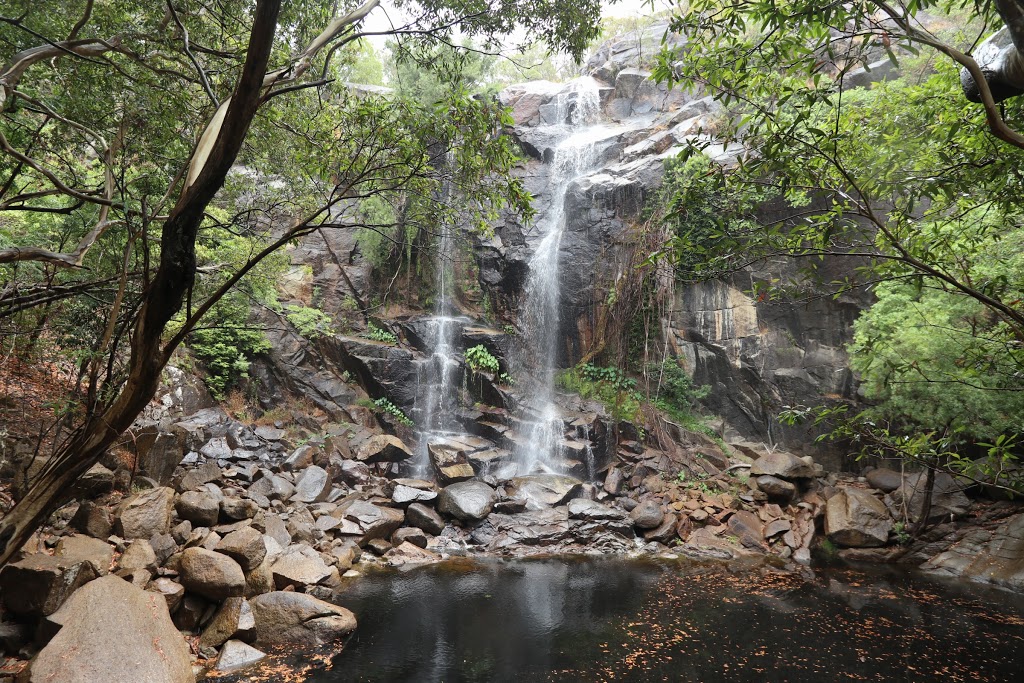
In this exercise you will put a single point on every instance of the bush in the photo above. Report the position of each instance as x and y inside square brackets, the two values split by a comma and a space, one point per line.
[312, 323]
[479, 359]
[226, 344]
[608, 385]
[379, 334]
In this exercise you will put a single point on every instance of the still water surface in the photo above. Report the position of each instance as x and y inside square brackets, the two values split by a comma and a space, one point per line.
[616, 620]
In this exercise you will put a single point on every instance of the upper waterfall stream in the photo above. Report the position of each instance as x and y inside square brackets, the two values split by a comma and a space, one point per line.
[577, 110]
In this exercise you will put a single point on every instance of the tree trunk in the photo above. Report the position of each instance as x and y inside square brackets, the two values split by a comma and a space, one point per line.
[162, 300]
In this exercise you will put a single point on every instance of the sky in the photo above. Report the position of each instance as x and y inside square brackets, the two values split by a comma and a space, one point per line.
[379, 20]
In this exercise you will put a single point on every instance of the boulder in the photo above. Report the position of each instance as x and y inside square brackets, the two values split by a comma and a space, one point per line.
[313, 485]
[948, 499]
[614, 481]
[748, 528]
[647, 515]
[407, 494]
[375, 521]
[383, 448]
[289, 617]
[158, 455]
[408, 553]
[450, 463]
[146, 514]
[113, 632]
[234, 619]
[301, 458]
[469, 501]
[541, 491]
[409, 535]
[884, 479]
[93, 520]
[139, 555]
[39, 584]
[592, 511]
[212, 575]
[425, 518]
[299, 566]
[235, 656]
[172, 592]
[782, 464]
[776, 489]
[198, 507]
[245, 546]
[856, 519]
[84, 548]
[235, 509]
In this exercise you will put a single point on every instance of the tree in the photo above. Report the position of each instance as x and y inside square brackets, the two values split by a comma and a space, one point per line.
[909, 177]
[121, 126]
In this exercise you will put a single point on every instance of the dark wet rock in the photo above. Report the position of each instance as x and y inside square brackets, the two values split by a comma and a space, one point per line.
[146, 514]
[995, 557]
[113, 632]
[783, 465]
[233, 619]
[202, 509]
[425, 518]
[289, 617]
[39, 584]
[158, 454]
[777, 489]
[190, 612]
[235, 656]
[313, 485]
[80, 548]
[299, 566]
[948, 500]
[540, 491]
[469, 501]
[532, 528]
[210, 574]
[884, 479]
[245, 546]
[647, 515]
[856, 519]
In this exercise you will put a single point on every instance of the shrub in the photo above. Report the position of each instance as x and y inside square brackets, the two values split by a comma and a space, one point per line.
[380, 334]
[479, 359]
[312, 323]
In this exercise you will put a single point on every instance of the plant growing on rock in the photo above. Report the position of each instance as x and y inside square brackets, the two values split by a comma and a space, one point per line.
[380, 334]
[479, 359]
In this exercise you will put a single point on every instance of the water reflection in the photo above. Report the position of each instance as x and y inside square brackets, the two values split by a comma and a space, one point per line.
[592, 620]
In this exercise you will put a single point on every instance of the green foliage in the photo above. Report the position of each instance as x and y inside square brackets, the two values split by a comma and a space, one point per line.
[226, 344]
[608, 385]
[312, 323]
[384, 405]
[479, 359]
[380, 334]
[900, 533]
[674, 391]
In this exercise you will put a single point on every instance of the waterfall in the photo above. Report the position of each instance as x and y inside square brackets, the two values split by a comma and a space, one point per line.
[574, 155]
[437, 376]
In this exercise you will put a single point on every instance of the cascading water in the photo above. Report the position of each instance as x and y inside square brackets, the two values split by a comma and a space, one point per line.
[577, 111]
[438, 374]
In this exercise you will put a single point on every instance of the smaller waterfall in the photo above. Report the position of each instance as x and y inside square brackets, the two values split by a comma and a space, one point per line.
[577, 111]
[437, 378]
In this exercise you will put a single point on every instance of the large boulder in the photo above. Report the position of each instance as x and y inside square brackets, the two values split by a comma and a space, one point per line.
[113, 632]
[289, 617]
[856, 519]
[198, 507]
[995, 557]
[375, 521]
[146, 514]
[245, 546]
[212, 575]
[782, 464]
[469, 501]
[647, 515]
[299, 566]
[40, 583]
[541, 491]
[425, 518]
[948, 499]
[78, 547]
[383, 448]
[313, 485]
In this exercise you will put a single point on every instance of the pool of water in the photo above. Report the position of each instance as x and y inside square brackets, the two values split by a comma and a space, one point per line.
[617, 620]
